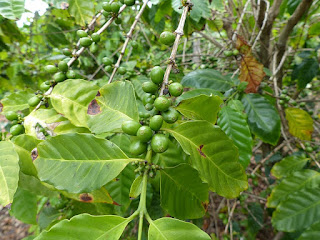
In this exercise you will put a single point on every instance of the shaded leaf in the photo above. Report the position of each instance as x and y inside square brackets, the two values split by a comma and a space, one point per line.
[300, 123]
[305, 71]
[237, 129]
[311, 233]
[263, 118]
[183, 194]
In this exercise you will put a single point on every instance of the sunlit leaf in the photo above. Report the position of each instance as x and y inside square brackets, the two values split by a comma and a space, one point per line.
[300, 123]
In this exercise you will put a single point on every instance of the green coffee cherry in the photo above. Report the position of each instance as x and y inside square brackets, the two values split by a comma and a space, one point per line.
[149, 87]
[167, 38]
[122, 70]
[159, 143]
[235, 52]
[81, 34]
[50, 69]
[85, 41]
[17, 129]
[63, 66]
[137, 147]
[144, 133]
[34, 101]
[309, 149]
[108, 69]
[94, 48]
[95, 37]
[67, 52]
[106, 6]
[130, 127]
[44, 86]
[71, 74]
[162, 103]
[175, 89]
[228, 53]
[115, 7]
[147, 99]
[156, 122]
[148, 106]
[157, 75]
[11, 115]
[118, 21]
[107, 61]
[59, 77]
[129, 2]
[170, 116]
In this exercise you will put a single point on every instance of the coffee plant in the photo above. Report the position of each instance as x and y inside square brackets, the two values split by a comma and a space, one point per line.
[162, 120]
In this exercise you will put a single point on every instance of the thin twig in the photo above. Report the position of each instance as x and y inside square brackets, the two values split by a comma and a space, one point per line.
[240, 21]
[128, 37]
[230, 218]
[179, 34]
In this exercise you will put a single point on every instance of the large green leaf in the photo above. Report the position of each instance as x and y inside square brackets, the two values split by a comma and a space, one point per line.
[9, 172]
[300, 123]
[11, 9]
[72, 97]
[16, 101]
[79, 163]
[202, 107]
[305, 71]
[116, 104]
[214, 155]
[263, 118]
[236, 127]
[55, 35]
[311, 233]
[82, 11]
[24, 144]
[197, 92]
[183, 194]
[173, 229]
[84, 227]
[288, 165]
[207, 78]
[299, 211]
[51, 121]
[24, 206]
[291, 184]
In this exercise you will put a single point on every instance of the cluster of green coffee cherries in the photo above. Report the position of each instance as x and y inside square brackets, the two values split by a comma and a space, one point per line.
[16, 119]
[146, 166]
[161, 111]
[309, 148]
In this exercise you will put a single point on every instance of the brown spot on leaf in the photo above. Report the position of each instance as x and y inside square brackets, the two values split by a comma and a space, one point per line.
[34, 154]
[98, 94]
[115, 203]
[200, 151]
[94, 108]
[85, 197]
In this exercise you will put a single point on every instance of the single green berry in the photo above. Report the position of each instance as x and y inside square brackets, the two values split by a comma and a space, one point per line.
[175, 89]
[122, 1]
[50, 69]
[147, 99]
[108, 69]
[14, 122]
[81, 34]
[287, 98]
[115, 7]
[85, 41]
[303, 104]
[156, 122]
[44, 86]
[94, 48]
[16, 129]
[167, 38]
[170, 116]
[283, 96]
[310, 112]
[129, 2]
[130, 127]
[105, 13]
[122, 70]
[159, 143]
[148, 106]
[284, 91]
[144, 133]
[34, 101]
[137, 147]
[107, 61]
[95, 37]
[149, 87]
[281, 102]
[71, 74]
[162, 103]
[235, 52]
[286, 105]
[106, 6]
[157, 75]
[11, 115]
[228, 53]
[118, 21]
[59, 77]
[309, 149]
[67, 52]
[63, 66]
